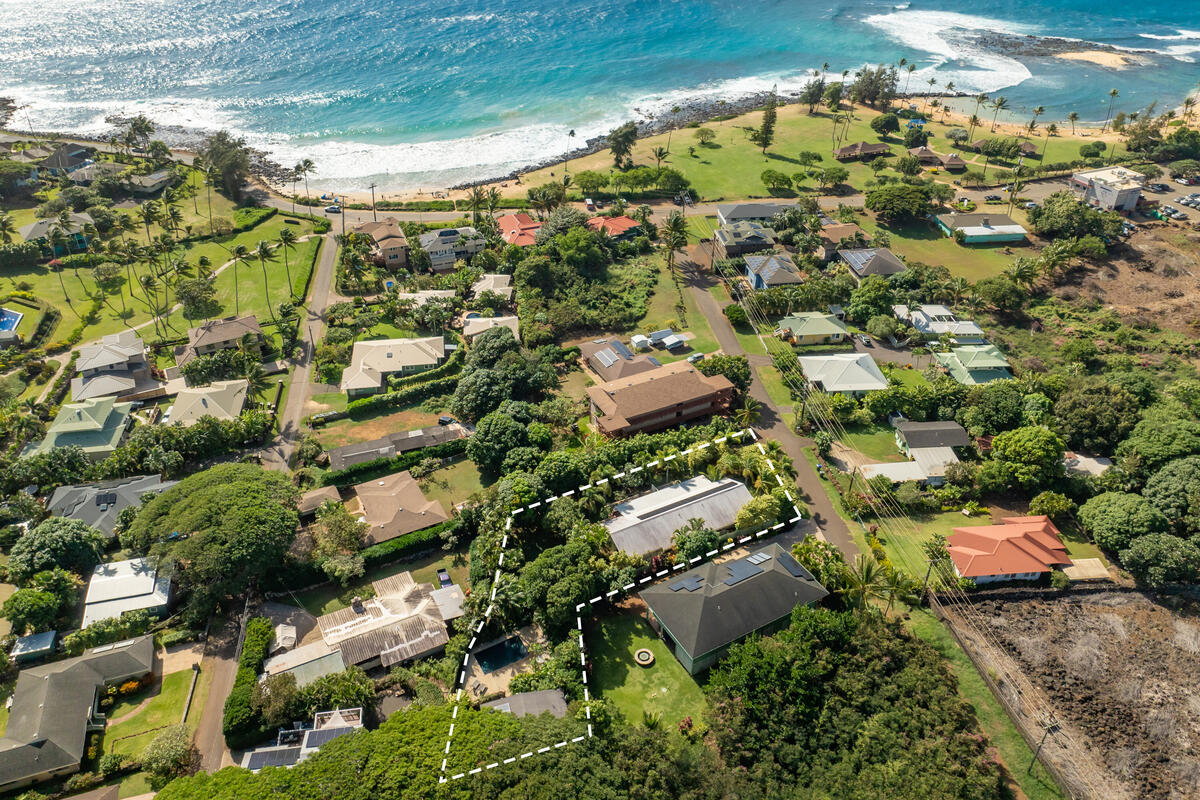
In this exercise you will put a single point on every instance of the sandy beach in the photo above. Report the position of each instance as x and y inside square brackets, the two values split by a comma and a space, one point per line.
[1102, 58]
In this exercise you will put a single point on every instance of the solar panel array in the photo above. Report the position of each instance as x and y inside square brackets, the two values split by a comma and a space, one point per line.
[278, 757]
[606, 357]
[320, 737]
[622, 350]
[691, 583]
[106, 498]
[740, 571]
[759, 557]
[793, 567]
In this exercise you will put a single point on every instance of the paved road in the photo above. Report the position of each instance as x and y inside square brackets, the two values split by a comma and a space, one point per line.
[219, 660]
[279, 453]
[773, 422]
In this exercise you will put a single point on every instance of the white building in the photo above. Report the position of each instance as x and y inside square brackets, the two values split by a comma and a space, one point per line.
[843, 373]
[935, 320]
[125, 586]
[645, 524]
[1110, 189]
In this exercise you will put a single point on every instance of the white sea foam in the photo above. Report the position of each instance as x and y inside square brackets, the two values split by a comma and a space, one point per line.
[1179, 35]
[971, 68]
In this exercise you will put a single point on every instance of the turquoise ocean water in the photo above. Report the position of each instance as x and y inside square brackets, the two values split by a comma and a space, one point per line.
[423, 93]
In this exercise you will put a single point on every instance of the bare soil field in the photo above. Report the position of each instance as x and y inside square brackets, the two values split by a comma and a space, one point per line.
[1120, 669]
[1155, 275]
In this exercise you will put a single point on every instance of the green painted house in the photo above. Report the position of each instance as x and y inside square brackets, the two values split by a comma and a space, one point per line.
[97, 426]
[973, 364]
[812, 327]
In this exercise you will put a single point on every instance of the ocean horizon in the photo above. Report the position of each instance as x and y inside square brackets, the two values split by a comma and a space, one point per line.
[421, 95]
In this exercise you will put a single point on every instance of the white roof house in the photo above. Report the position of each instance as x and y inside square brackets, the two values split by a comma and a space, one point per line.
[125, 586]
[223, 400]
[936, 319]
[371, 362]
[645, 524]
[895, 471]
[494, 282]
[843, 372]
[423, 296]
[473, 326]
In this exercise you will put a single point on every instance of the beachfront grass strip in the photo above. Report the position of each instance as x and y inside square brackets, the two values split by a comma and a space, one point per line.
[741, 437]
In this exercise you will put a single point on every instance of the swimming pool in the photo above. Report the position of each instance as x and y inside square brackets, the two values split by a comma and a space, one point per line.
[501, 654]
[9, 319]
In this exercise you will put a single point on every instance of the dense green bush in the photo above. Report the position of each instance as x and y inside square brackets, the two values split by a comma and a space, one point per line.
[249, 217]
[403, 397]
[409, 543]
[386, 466]
[241, 725]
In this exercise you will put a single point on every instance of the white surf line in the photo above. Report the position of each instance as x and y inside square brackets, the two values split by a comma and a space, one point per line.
[608, 597]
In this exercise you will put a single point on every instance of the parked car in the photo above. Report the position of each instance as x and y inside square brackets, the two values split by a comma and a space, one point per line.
[866, 340]
[1030, 204]
[1159, 187]
[1179, 215]
[993, 198]
[1183, 181]
[589, 205]
[333, 209]
[445, 420]
[694, 357]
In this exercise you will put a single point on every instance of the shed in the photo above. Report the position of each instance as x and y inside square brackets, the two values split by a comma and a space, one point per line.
[640, 342]
[32, 647]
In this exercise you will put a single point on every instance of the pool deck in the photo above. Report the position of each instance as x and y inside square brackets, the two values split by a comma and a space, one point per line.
[479, 683]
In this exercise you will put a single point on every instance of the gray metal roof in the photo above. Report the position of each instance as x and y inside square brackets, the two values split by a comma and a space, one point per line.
[872, 261]
[99, 504]
[523, 704]
[933, 434]
[714, 605]
[393, 444]
[645, 524]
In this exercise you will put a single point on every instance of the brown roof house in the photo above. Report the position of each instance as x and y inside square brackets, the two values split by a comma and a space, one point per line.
[388, 241]
[661, 398]
[395, 505]
[952, 161]
[218, 334]
[372, 362]
[1019, 549]
[871, 261]
[925, 155]
[834, 233]
[611, 359]
[862, 150]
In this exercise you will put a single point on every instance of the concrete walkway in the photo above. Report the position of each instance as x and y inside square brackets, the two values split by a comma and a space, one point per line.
[773, 422]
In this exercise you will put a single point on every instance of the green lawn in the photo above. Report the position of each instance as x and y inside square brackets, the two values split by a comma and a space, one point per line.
[664, 688]
[362, 429]
[873, 441]
[453, 484]
[165, 708]
[745, 334]
[336, 401]
[327, 598]
[923, 241]
[993, 719]
[777, 389]
[911, 378]
[662, 313]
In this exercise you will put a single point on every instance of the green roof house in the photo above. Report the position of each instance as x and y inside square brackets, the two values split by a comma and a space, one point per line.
[812, 327]
[97, 426]
[975, 363]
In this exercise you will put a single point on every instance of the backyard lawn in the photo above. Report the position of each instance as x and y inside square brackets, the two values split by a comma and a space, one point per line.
[777, 389]
[452, 485]
[662, 313]
[664, 688]
[877, 442]
[923, 241]
[130, 736]
[332, 597]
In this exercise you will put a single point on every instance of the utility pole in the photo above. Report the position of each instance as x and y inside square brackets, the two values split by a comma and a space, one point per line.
[373, 217]
[343, 211]
[1052, 727]
[1012, 194]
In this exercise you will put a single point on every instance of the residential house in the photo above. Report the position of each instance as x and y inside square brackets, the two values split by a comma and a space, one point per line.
[1027, 149]
[840, 236]
[40, 232]
[621, 228]
[531, 704]
[373, 362]
[423, 296]
[121, 586]
[973, 364]
[729, 213]
[739, 238]
[313, 499]
[702, 612]
[1018, 549]
[395, 505]
[34, 647]
[31, 155]
[495, 283]
[1110, 189]
[772, 269]
[219, 334]
[98, 426]
[154, 182]
[294, 745]
[925, 155]
[388, 242]
[912, 436]
[934, 321]
[646, 524]
[611, 359]
[64, 160]
[870, 261]
[393, 444]
[221, 400]
[98, 169]
[929, 445]
[473, 326]
[56, 706]
[843, 373]
[519, 229]
[449, 600]
[864, 151]
[812, 327]
[116, 365]
[100, 504]
[984, 228]
[447, 246]
[656, 399]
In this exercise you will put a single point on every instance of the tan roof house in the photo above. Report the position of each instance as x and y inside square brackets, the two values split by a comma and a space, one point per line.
[221, 400]
[498, 283]
[218, 334]
[388, 241]
[395, 505]
[473, 326]
[116, 365]
[372, 362]
[660, 398]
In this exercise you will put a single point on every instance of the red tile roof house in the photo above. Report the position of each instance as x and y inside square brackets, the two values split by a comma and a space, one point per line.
[617, 227]
[1019, 549]
[519, 229]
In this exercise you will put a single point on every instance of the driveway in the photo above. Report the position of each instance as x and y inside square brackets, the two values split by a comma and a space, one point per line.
[773, 423]
[219, 659]
[279, 453]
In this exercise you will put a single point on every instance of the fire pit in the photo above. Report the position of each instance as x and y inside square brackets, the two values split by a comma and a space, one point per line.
[644, 657]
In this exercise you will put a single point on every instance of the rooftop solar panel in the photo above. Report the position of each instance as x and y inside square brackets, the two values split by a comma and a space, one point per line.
[275, 757]
[291, 738]
[106, 498]
[759, 558]
[315, 739]
[691, 583]
[793, 567]
[621, 349]
[740, 570]
[606, 357]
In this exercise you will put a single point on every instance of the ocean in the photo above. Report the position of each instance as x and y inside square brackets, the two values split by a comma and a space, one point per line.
[428, 94]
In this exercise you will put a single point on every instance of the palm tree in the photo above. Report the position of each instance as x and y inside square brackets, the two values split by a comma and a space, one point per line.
[642, 214]
[1073, 117]
[929, 95]
[958, 287]
[1112, 97]
[150, 289]
[7, 227]
[239, 254]
[898, 585]
[660, 154]
[149, 212]
[674, 236]
[287, 241]
[256, 379]
[493, 200]
[1189, 105]
[303, 167]
[748, 413]
[172, 218]
[1023, 272]
[1037, 112]
[999, 104]
[911, 69]
[476, 199]
[863, 581]
[974, 123]
[264, 252]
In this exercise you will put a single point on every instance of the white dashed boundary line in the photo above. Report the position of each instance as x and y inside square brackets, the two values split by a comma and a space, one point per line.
[607, 597]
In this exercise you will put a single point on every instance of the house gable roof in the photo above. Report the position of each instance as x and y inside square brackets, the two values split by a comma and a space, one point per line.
[1019, 545]
[812, 323]
[395, 505]
[933, 434]
[646, 524]
[872, 261]
[775, 269]
[221, 399]
[657, 389]
[99, 504]
[844, 372]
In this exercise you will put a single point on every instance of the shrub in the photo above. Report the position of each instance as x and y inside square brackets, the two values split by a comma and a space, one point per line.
[411, 394]
[386, 466]
[409, 543]
[1116, 519]
[242, 726]
[1160, 559]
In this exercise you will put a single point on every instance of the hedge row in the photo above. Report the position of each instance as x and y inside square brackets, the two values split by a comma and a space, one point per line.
[249, 217]
[452, 366]
[411, 394]
[377, 467]
[241, 725]
[409, 543]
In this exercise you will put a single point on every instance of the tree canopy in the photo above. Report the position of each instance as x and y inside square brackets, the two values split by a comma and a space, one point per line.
[58, 542]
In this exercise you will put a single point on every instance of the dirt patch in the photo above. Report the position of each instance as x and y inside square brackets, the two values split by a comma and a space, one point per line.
[1121, 669]
[350, 431]
[1154, 275]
